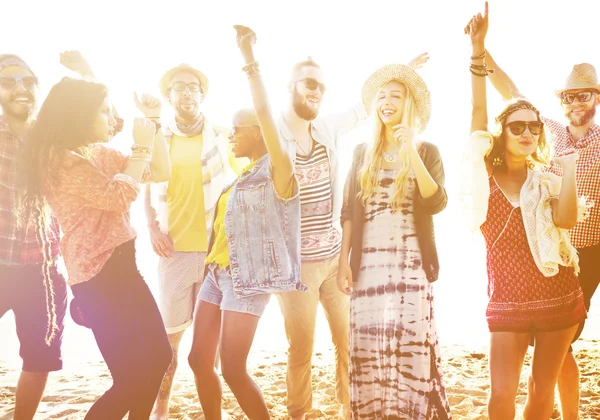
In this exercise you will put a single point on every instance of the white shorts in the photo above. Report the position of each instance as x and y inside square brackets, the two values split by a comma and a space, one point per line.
[179, 281]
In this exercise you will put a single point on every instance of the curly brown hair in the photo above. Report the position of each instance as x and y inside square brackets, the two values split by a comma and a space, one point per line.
[65, 122]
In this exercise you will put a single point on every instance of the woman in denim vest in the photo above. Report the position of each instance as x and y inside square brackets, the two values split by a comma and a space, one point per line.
[254, 250]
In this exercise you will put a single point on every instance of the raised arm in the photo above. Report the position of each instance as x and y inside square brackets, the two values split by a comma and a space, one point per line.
[477, 30]
[501, 82]
[282, 166]
[160, 165]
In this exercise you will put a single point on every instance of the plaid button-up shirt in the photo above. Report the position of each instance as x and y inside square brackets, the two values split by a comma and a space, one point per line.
[586, 233]
[18, 245]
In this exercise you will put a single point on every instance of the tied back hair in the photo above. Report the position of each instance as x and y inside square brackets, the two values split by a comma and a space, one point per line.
[373, 157]
[64, 123]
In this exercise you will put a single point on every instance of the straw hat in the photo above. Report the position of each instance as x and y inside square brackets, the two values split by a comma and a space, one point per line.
[165, 81]
[583, 76]
[409, 78]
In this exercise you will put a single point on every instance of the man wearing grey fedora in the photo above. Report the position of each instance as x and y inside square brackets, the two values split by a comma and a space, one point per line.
[579, 98]
[179, 212]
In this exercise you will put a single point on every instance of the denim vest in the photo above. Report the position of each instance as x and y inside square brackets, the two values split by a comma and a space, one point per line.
[263, 234]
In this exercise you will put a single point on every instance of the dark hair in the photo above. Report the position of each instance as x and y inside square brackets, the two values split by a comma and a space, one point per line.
[309, 62]
[65, 122]
[540, 157]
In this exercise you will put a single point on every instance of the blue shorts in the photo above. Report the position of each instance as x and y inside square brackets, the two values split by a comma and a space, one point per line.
[218, 290]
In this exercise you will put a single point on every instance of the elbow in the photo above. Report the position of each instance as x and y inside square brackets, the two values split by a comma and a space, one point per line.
[565, 222]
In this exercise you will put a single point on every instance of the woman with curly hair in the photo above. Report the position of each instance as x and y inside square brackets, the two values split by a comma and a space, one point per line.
[89, 187]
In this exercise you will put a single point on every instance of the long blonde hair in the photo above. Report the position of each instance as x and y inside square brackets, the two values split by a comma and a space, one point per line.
[373, 157]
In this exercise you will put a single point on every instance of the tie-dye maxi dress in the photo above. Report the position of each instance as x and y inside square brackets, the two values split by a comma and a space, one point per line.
[394, 352]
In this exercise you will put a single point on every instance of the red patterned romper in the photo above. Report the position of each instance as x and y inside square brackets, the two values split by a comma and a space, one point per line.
[521, 299]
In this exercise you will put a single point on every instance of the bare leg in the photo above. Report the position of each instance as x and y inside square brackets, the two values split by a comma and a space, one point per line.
[237, 336]
[507, 352]
[548, 356]
[161, 406]
[30, 389]
[568, 388]
[207, 328]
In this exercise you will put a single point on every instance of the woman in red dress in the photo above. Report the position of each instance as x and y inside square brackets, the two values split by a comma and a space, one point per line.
[523, 214]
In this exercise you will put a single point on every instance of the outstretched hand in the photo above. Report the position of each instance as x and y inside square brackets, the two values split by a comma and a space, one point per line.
[245, 36]
[417, 62]
[478, 26]
[75, 61]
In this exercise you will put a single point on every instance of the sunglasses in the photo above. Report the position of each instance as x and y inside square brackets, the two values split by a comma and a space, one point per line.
[10, 82]
[312, 84]
[240, 129]
[568, 98]
[518, 127]
[180, 87]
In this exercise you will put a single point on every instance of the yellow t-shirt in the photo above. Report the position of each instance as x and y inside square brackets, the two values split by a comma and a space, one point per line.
[220, 251]
[185, 195]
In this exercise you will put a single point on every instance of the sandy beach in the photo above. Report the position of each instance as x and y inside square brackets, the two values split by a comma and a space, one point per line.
[463, 336]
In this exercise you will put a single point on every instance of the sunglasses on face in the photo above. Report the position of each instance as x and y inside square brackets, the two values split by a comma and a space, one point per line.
[313, 84]
[518, 127]
[180, 87]
[240, 129]
[10, 82]
[568, 98]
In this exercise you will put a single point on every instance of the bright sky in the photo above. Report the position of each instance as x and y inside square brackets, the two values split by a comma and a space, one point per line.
[130, 43]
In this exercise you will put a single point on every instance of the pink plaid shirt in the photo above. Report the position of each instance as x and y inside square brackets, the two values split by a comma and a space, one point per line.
[586, 233]
[18, 245]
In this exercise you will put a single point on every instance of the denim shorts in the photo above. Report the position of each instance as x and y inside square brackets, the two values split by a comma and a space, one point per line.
[218, 290]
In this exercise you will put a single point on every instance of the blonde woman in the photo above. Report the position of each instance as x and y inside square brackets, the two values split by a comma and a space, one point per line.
[394, 187]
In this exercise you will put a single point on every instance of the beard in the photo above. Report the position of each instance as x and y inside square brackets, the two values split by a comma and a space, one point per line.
[301, 109]
[584, 119]
[186, 115]
[17, 111]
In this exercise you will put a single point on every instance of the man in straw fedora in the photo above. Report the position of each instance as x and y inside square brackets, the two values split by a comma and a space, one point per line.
[179, 212]
[313, 143]
[579, 97]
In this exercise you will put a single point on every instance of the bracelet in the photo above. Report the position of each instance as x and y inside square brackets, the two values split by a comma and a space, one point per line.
[251, 69]
[480, 70]
[142, 148]
[475, 73]
[140, 158]
[478, 57]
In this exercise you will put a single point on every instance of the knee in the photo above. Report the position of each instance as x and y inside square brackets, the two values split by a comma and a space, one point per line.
[502, 400]
[200, 365]
[541, 390]
[233, 373]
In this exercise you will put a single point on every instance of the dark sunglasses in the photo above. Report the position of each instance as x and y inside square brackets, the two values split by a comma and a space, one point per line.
[313, 84]
[180, 87]
[518, 127]
[10, 82]
[240, 129]
[568, 98]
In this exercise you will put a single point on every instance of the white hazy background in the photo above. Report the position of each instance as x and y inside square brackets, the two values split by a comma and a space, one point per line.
[130, 43]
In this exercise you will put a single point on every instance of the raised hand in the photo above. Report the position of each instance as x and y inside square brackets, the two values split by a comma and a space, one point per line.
[245, 36]
[143, 131]
[404, 135]
[148, 104]
[417, 62]
[478, 26]
[75, 61]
